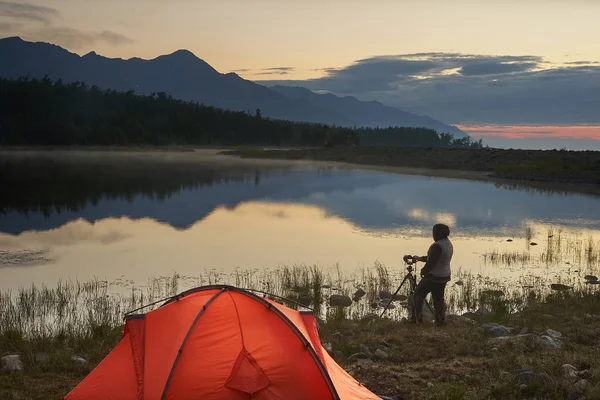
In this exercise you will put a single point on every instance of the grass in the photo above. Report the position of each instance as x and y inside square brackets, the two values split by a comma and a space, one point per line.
[578, 167]
[47, 326]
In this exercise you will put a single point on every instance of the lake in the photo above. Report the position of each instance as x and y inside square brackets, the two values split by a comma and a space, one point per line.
[127, 218]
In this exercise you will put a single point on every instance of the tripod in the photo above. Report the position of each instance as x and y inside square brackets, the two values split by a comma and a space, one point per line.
[411, 262]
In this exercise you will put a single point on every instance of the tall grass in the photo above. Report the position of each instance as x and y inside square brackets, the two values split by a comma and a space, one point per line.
[78, 309]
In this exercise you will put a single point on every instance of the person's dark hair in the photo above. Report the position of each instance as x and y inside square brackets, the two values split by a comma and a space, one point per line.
[440, 231]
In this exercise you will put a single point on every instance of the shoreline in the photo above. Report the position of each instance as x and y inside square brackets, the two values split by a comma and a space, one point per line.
[235, 157]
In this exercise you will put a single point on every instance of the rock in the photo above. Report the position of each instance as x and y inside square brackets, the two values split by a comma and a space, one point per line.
[328, 347]
[384, 294]
[526, 377]
[11, 363]
[340, 300]
[560, 287]
[533, 244]
[590, 278]
[496, 329]
[338, 355]
[553, 334]
[569, 371]
[459, 319]
[381, 354]
[593, 282]
[524, 331]
[304, 300]
[550, 343]
[400, 297]
[374, 305]
[509, 240]
[470, 315]
[429, 384]
[359, 294]
[364, 361]
[367, 350]
[459, 283]
[79, 360]
[581, 385]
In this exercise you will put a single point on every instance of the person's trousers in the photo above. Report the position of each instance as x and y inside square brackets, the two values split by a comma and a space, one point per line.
[426, 286]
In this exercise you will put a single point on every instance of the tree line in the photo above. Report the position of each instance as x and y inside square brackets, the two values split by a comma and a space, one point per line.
[43, 112]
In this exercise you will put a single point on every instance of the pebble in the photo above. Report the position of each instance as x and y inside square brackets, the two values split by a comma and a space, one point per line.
[569, 371]
[581, 385]
[11, 363]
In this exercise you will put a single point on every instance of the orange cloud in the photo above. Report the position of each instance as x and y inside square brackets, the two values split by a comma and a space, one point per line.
[533, 131]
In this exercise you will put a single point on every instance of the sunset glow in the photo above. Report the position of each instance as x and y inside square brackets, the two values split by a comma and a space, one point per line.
[590, 132]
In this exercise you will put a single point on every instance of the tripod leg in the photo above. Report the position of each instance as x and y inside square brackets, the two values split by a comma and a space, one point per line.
[394, 295]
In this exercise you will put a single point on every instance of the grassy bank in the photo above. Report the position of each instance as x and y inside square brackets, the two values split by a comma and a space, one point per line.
[573, 167]
[62, 332]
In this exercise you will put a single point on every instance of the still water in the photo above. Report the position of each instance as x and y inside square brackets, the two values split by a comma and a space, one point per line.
[125, 223]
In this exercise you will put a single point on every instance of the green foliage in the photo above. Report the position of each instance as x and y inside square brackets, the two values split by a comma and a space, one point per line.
[403, 136]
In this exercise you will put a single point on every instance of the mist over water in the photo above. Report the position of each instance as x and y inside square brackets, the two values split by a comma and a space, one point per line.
[132, 224]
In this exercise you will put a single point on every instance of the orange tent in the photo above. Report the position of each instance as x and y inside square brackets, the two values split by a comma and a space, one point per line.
[220, 343]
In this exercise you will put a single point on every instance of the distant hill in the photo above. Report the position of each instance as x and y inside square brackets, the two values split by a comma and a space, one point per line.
[369, 113]
[184, 76]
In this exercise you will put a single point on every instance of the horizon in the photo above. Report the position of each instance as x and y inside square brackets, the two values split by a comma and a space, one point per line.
[477, 65]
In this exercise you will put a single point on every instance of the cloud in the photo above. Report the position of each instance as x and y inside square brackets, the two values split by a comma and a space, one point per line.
[467, 88]
[28, 12]
[266, 71]
[39, 23]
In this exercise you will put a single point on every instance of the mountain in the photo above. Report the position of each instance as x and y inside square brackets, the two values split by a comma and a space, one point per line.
[184, 76]
[369, 113]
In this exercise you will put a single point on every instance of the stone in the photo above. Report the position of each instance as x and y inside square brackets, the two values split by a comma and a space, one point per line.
[483, 312]
[553, 334]
[379, 353]
[586, 373]
[338, 355]
[526, 377]
[478, 330]
[386, 304]
[459, 283]
[340, 300]
[328, 347]
[496, 329]
[359, 294]
[581, 385]
[590, 278]
[11, 363]
[569, 371]
[550, 343]
[429, 384]
[560, 287]
[524, 331]
[78, 360]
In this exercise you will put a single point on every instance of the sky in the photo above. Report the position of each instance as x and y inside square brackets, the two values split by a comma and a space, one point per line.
[467, 62]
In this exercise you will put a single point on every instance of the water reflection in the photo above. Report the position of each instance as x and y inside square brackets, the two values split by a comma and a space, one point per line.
[149, 221]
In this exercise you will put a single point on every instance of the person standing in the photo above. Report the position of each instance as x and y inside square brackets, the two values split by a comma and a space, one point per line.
[435, 274]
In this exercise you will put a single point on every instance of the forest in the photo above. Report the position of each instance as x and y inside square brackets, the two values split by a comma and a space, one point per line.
[43, 112]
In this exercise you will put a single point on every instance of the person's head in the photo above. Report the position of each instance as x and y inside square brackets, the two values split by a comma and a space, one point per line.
[440, 231]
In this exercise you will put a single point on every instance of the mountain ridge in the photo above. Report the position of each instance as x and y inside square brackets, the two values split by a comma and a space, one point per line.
[187, 77]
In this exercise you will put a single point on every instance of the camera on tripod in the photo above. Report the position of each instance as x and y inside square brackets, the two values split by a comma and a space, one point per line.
[410, 260]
